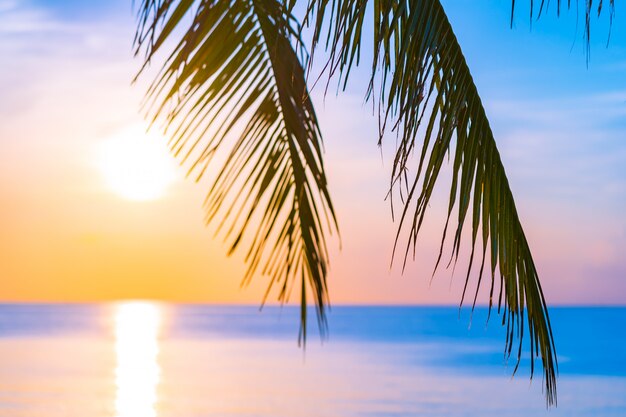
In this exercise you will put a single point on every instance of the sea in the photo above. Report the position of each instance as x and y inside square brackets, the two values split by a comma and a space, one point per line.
[144, 359]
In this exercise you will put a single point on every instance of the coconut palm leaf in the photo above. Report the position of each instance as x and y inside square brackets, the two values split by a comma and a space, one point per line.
[427, 97]
[233, 92]
[590, 7]
[234, 83]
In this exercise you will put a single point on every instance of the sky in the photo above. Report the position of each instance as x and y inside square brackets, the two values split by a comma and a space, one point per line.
[73, 231]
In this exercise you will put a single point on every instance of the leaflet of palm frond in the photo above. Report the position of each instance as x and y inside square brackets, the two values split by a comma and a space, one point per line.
[424, 90]
[233, 83]
[588, 6]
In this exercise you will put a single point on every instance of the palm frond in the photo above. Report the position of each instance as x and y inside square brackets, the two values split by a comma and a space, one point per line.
[234, 84]
[590, 7]
[425, 91]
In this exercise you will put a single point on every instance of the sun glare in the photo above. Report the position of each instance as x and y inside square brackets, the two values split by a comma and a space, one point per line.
[136, 346]
[136, 164]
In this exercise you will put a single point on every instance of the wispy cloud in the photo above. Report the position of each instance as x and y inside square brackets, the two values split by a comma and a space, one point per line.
[563, 147]
[44, 33]
[565, 112]
[615, 67]
[19, 18]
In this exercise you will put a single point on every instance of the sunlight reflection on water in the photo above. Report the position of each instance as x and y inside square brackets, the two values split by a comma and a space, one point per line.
[137, 372]
[159, 360]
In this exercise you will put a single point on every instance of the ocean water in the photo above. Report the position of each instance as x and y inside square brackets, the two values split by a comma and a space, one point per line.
[161, 360]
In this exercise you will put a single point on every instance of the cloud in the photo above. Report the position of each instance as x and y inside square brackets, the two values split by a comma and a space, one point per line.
[18, 18]
[564, 113]
[615, 67]
[42, 33]
[567, 148]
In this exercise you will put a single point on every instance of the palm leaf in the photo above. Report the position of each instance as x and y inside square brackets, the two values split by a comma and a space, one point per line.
[425, 91]
[236, 65]
[234, 86]
[537, 8]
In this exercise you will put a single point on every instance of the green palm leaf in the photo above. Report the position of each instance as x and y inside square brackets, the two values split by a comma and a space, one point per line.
[234, 84]
[425, 91]
[590, 7]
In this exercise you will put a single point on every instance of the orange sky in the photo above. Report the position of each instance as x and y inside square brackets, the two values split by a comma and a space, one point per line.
[67, 235]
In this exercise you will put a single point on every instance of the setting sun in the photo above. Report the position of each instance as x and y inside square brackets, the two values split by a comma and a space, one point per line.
[135, 164]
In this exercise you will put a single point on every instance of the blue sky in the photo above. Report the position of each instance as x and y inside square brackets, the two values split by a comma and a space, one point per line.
[560, 124]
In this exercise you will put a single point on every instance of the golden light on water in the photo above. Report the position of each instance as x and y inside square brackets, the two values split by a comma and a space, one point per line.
[137, 347]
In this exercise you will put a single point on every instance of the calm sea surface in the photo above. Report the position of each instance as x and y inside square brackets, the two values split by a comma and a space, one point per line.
[160, 360]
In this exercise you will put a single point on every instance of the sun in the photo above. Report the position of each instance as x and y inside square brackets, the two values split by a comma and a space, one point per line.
[136, 165]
